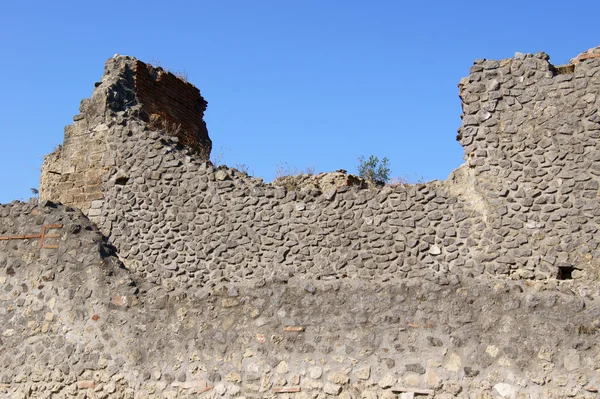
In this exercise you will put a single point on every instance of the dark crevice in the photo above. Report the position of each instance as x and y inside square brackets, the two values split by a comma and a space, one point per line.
[565, 272]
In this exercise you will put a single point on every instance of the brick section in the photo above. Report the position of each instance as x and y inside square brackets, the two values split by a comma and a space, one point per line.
[174, 105]
[73, 174]
[77, 172]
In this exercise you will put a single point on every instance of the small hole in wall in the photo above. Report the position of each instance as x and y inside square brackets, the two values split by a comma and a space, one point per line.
[565, 272]
[121, 181]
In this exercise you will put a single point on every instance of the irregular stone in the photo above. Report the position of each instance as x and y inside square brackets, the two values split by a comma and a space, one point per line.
[282, 367]
[339, 378]
[505, 390]
[387, 381]
[315, 372]
[453, 363]
[332, 389]
[363, 373]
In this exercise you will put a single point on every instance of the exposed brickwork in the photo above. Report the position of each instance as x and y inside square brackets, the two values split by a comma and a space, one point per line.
[75, 172]
[173, 104]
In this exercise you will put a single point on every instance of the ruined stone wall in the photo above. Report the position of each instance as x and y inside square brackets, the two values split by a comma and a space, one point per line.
[73, 174]
[74, 323]
[218, 285]
[532, 135]
[196, 225]
[525, 205]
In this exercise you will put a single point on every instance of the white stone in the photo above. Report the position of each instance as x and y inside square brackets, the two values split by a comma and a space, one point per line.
[492, 350]
[435, 250]
[315, 372]
[453, 363]
[505, 390]
[332, 389]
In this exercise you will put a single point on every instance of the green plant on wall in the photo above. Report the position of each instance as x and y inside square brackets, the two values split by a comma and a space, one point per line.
[374, 170]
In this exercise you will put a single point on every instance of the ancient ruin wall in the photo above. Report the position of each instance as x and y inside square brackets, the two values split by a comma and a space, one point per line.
[171, 103]
[75, 323]
[531, 133]
[524, 205]
[231, 287]
[73, 174]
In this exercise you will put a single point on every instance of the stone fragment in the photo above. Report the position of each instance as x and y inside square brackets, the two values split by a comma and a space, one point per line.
[332, 389]
[434, 250]
[453, 363]
[308, 287]
[505, 390]
[387, 381]
[412, 379]
[363, 373]
[492, 350]
[85, 384]
[221, 175]
[546, 353]
[282, 367]
[572, 361]
[233, 377]
[315, 372]
[470, 372]
[432, 379]
[415, 368]
[339, 378]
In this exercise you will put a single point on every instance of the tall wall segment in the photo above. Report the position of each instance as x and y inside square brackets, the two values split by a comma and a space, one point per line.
[524, 205]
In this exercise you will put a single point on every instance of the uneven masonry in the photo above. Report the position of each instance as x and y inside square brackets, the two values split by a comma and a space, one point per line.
[175, 278]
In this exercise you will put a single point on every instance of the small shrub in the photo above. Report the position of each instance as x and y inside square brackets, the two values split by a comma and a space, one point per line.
[156, 63]
[242, 167]
[373, 170]
[218, 157]
[406, 180]
[311, 170]
[284, 169]
[182, 75]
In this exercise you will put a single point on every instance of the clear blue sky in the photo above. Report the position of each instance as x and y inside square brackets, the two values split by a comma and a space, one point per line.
[311, 83]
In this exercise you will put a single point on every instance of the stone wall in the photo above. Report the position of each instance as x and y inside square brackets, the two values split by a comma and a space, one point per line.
[193, 280]
[532, 137]
[524, 205]
[74, 323]
[74, 172]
